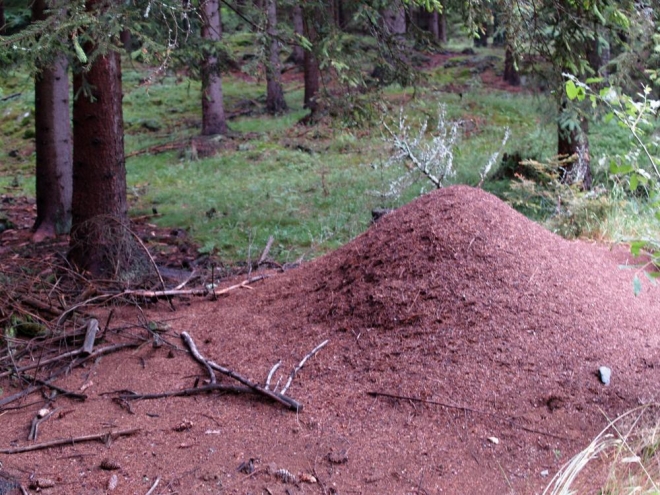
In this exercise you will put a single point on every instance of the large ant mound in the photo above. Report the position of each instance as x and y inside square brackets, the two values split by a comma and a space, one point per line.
[460, 286]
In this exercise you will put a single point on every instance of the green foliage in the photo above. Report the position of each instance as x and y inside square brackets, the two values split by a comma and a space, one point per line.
[640, 163]
[538, 192]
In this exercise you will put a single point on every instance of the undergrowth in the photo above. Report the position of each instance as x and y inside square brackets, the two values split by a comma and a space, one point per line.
[309, 187]
[622, 458]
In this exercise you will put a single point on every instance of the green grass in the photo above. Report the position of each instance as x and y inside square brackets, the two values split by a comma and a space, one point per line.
[312, 188]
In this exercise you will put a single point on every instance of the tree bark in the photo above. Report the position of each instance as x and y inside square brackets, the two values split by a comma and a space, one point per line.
[275, 102]
[99, 171]
[54, 164]
[298, 54]
[394, 19]
[434, 25]
[312, 76]
[511, 74]
[2, 17]
[443, 24]
[213, 109]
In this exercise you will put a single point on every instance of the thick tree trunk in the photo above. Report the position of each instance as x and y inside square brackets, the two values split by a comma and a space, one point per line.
[99, 174]
[213, 109]
[53, 145]
[275, 102]
[576, 142]
[298, 54]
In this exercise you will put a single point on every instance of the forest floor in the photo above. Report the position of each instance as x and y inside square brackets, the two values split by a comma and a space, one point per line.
[464, 343]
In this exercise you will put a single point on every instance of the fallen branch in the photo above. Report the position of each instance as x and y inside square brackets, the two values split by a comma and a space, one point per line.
[105, 437]
[266, 250]
[189, 292]
[193, 350]
[434, 402]
[302, 363]
[282, 399]
[186, 392]
[98, 352]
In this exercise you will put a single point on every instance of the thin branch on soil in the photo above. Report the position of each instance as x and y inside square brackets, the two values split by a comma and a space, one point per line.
[434, 402]
[36, 421]
[281, 398]
[59, 390]
[189, 292]
[105, 437]
[90, 336]
[270, 374]
[18, 395]
[468, 409]
[266, 250]
[98, 352]
[153, 487]
[186, 392]
[198, 357]
[302, 363]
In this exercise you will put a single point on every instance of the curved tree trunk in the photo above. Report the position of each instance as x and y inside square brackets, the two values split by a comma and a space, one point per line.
[99, 173]
[275, 102]
[53, 145]
[213, 109]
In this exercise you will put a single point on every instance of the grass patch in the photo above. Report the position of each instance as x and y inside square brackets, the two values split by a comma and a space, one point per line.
[312, 188]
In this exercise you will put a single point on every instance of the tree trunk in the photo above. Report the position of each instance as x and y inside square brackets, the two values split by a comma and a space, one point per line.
[312, 15]
[213, 109]
[99, 173]
[434, 25]
[275, 102]
[443, 24]
[394, 19]
[2, 17]
[298, 54]
[511, 74]
[53, 145]
[576, 142]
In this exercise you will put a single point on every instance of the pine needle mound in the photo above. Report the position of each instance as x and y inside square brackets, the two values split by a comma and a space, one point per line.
[460, 281]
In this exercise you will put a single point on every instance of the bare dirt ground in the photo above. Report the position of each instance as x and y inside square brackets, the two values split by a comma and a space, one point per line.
[485, 325]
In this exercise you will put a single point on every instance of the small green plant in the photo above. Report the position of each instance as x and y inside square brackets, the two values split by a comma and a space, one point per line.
[640, 164]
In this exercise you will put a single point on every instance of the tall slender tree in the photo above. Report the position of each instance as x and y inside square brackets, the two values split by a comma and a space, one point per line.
[213, 108]
[275, 102]
[313, 21]
[2, 17]
[54, 181]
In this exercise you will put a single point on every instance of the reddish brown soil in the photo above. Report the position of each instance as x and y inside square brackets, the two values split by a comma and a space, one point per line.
[454, 299]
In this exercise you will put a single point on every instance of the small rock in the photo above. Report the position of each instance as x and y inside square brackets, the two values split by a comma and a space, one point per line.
[604, 373]
[545, 473]
[494, 440]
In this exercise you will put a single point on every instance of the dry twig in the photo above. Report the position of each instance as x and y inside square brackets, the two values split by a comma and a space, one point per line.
[105, 437]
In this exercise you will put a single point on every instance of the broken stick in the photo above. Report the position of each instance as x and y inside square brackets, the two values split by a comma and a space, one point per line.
[198, 357]
[302, 363]
[281, 398]
[110, 435]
